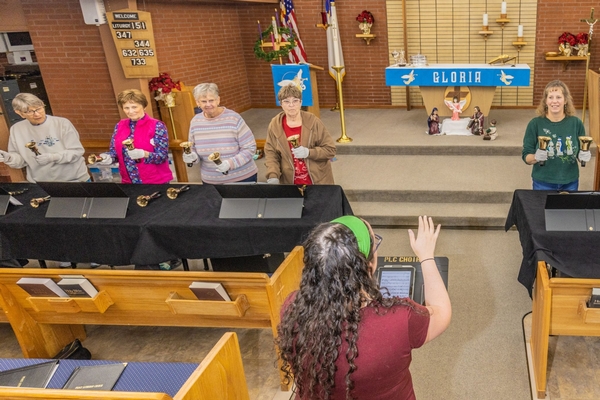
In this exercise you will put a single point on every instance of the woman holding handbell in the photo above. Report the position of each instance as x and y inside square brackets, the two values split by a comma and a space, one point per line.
[221, 141]
[299, 147]
[140, 143]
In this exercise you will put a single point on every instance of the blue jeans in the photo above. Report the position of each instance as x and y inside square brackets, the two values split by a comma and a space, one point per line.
[568, 187]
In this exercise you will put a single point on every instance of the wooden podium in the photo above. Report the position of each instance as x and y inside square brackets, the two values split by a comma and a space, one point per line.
[315, 90]
[594, 121]
[183, 112]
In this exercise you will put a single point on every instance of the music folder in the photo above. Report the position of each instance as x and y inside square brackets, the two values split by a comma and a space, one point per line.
[4, 200]
[260, 201]
[85, 200]
[576, 211]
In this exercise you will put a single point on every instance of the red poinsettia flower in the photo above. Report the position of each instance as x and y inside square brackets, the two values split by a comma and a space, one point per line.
[582, 38]
[365, 17]
[567, 37]
[163, 84]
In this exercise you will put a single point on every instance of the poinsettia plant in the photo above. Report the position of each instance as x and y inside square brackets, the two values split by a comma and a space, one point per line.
[567, 37]
[163, 84]
[582, 38]
[365, 17]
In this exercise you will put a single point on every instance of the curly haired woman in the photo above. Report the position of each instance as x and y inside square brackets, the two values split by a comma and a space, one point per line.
[339, 336]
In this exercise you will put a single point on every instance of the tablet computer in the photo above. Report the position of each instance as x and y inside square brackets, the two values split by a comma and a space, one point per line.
[399, 281]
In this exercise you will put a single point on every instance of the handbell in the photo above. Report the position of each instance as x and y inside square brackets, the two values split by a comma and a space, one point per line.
[294, 141]
[216, 158]
[35, 203]
[144, 199]
[543, 144]
[172, 193]
[128, 143]
[32, 146]
[187, 149]
[17, 192]
[584, 144]
[92, 159]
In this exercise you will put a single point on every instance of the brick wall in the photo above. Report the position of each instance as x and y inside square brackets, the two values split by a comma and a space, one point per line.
[555, 17]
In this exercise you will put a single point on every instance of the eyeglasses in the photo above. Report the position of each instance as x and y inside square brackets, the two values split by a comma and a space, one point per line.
[378, 240]
[37, 110]
[288, 103]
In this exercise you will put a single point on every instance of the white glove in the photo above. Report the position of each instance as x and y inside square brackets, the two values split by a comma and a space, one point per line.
[106, 159]
[5, 156]
[136, 154]
[541, 155]
[273, 181]
[224, 166]
[585, 156]
[47, 158]
[300, 152]
[190, 158]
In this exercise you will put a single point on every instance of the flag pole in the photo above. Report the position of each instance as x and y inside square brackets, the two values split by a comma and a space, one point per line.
[338, 71]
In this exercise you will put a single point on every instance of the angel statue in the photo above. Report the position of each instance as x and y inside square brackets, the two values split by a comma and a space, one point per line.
[456, 107]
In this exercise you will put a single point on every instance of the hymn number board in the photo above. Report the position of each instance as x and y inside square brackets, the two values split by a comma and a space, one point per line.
[134, 40]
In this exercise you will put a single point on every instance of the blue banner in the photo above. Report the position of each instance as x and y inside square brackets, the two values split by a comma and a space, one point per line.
[459, 75]
[298, 74]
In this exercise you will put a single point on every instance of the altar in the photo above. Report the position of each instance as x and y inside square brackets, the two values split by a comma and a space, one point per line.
[478, 82]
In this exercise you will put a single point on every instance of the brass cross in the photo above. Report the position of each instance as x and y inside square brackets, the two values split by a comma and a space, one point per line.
[456, 93]
[591, 22]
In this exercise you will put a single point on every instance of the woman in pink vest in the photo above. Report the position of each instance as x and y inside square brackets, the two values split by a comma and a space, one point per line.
[148, 162]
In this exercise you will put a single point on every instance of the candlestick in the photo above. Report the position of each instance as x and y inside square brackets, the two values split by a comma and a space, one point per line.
[259, 32]
[503, 8]
[520, 31]
[485, 20]
[324, 17]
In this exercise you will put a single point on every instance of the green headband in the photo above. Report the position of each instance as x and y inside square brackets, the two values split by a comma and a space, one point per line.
[360, 231]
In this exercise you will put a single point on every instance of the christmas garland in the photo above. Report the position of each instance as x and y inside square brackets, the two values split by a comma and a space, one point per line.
[273, 55]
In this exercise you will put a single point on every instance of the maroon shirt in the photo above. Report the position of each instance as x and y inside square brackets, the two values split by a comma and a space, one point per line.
[384, 353]
[301, 175]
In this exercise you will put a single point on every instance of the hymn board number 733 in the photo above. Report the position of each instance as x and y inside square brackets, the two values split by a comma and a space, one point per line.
[134, 39]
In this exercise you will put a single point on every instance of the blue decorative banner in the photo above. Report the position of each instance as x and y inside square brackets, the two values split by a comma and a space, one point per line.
[459, 75]
[298, 74]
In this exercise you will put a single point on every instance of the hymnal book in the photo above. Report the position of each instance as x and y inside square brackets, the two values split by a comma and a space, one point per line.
[77, 287]
[41, 287]
[95, 377]
[595, 299]
[213, 291]
[31, 376]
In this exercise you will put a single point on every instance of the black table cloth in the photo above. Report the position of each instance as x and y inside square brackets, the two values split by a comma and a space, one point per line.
[187, 227]
[576, 254]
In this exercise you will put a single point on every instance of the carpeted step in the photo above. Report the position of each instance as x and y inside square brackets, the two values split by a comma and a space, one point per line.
[450, 150]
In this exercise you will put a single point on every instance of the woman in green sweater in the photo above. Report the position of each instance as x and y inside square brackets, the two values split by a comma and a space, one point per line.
[556, 167]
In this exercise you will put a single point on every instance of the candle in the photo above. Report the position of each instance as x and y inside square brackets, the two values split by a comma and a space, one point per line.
[520, 31]
[503, 8]
[273, 41]
[276, 18]
[485, 20]
[275, 31]
[324, 17]
[259, 31]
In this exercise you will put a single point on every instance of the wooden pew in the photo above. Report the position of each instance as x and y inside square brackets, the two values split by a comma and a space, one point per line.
[219, 376]
[559, 308]
[44, 325]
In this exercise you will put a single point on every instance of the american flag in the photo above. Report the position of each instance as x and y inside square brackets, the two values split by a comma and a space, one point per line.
[288, 19]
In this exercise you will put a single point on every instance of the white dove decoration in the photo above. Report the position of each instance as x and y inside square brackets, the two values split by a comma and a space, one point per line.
[409, 78]
[298, 81]
[506, 79]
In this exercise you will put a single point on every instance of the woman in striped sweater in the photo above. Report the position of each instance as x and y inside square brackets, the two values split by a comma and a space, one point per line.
[220, 130]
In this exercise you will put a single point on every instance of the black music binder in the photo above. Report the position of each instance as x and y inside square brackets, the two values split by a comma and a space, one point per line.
[572, 211]
[85, 200]
[260, 201]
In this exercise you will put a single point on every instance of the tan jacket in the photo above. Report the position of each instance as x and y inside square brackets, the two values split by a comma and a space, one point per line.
[314, 136]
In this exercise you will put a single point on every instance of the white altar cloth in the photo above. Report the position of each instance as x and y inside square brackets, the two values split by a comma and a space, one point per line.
[459, 127]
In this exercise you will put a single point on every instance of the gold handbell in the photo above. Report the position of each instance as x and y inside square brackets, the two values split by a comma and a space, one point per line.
[93, 159]
[187, 149]
[17, 192]
[216, 158]
[584, 144]
[294, 141]
[143, 200]
[32, 146]
[128, 143]
[35, 203]
[172, 193]
[543, 143]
